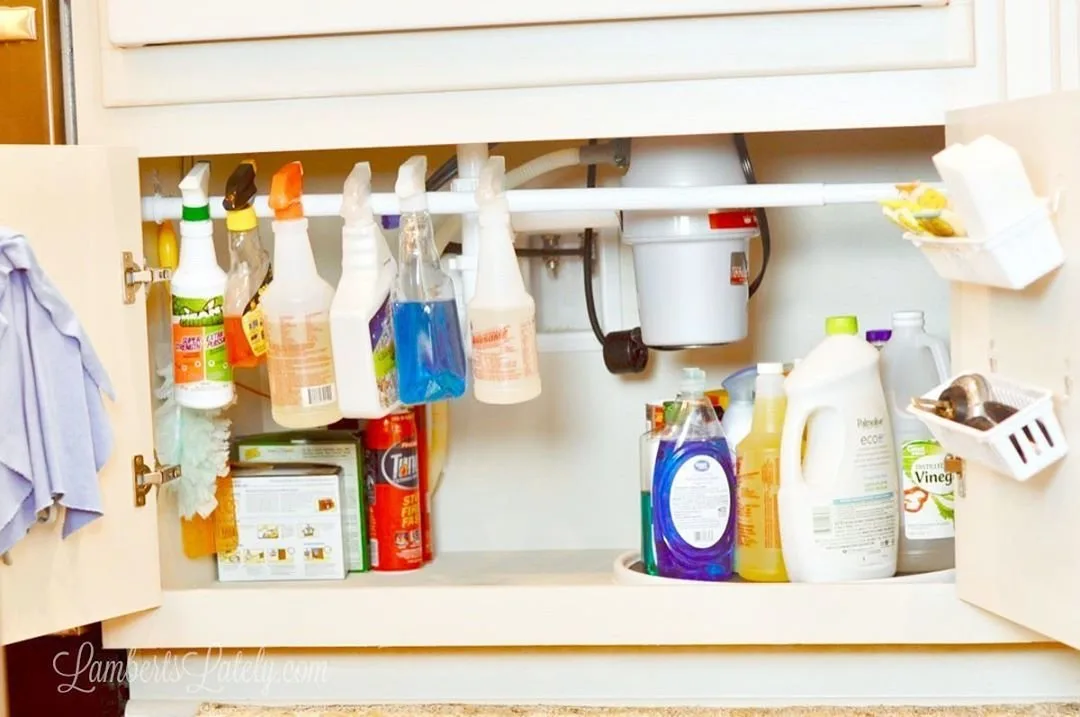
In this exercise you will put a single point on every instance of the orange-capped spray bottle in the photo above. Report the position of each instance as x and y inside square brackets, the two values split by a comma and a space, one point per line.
[296, 312]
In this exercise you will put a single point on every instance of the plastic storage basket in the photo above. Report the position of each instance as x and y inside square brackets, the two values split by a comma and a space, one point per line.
[1011, 259]
[1020, 446]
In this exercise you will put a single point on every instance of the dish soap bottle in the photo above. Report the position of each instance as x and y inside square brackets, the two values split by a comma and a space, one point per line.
[427, 331]
[694, 490]
[296, 307]
[758, 556]
[361, 332]
[913, 362]
[201, 370]
[502, 315]
[249, 271]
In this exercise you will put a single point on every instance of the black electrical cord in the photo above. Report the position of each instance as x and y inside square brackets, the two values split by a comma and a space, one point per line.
[587, 248]
[762, 219]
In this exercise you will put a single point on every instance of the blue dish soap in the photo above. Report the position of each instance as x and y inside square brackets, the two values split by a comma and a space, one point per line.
[694, 493]
[427, 330]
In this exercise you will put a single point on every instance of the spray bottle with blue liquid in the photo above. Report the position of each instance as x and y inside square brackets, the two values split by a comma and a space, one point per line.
[694, 493]
[427, 333]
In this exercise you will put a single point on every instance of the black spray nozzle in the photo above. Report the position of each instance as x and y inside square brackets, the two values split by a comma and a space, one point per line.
[240, 189]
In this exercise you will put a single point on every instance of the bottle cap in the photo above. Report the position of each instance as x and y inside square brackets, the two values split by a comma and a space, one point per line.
[878, 336]
[770, 369]
[286, 190]
[239, 193]
[693, 381]
[356, 197]
[391, 221]
[195, 190]
[835, 325]
[411, 187]
[908, 318]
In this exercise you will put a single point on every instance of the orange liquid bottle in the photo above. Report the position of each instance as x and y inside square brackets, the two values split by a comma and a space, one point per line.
[249, 272]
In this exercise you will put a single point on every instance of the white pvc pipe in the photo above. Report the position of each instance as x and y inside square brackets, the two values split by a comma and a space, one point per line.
[583, 199]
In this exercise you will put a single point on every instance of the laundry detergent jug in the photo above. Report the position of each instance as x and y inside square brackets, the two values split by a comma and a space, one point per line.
[838, 506]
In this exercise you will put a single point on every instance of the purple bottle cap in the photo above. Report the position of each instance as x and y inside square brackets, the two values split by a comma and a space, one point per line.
[391, 221]
[878, 336]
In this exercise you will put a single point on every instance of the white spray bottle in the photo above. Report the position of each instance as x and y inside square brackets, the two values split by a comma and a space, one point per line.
[360, 317]
[502, 315]
[201, 371]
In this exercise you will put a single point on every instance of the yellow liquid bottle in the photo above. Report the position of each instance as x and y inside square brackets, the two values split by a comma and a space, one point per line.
[758, 555]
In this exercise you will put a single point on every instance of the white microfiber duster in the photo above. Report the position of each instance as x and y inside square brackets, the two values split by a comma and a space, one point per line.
[197, 441]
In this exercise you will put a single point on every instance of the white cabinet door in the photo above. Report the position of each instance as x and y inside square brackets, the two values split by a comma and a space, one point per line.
[79, 208]
[135, 22]
[1018, 544]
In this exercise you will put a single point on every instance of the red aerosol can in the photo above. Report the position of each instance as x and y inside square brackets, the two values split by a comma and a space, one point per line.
[392, 474]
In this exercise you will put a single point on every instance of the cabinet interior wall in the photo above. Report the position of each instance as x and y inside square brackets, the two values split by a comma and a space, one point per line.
[565, 474]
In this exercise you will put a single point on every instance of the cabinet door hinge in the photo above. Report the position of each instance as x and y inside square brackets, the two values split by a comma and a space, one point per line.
[136, 276]
[145, 479]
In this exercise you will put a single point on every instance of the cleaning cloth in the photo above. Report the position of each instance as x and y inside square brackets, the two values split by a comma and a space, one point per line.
[54, 433]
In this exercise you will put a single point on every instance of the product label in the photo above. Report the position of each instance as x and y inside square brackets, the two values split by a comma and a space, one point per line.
[863, 527]
[506, 352]
[929, 491]
[758, 511]
[700, 501]
[200, 357]
[252, 319]
[300, 364]
[383, 355]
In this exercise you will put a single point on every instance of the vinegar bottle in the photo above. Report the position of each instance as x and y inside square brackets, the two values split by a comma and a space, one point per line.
[296, 306]
[758, 556]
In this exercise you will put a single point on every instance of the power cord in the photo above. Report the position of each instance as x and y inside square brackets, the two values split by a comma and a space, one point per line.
[762, 219]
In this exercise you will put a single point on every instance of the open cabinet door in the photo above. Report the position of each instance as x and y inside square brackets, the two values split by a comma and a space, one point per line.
[1018, 543]
[79, 208]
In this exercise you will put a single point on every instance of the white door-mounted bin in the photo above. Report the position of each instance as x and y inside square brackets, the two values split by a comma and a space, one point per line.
[1011, 259]
[1027, 442]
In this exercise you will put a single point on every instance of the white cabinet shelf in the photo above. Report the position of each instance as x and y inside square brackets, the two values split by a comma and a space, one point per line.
[555, 598]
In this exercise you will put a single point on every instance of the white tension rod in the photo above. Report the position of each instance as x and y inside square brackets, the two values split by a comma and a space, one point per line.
[600, 199]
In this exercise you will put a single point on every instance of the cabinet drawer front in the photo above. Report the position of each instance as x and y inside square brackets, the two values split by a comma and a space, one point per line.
[135, 22]
[542, 56]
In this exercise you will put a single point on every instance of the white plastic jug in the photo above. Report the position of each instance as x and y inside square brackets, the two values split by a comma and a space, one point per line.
[838, 507]
[912, 363]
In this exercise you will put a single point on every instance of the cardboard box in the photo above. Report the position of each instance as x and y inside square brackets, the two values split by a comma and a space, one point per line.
[337, 448]
[289, 521]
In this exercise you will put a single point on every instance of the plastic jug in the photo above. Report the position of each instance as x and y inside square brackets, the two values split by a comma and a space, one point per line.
[913, 362]
[838, 506]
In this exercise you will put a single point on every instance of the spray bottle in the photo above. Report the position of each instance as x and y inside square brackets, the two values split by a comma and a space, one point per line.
[201, 370]
[502, 315]
[296, 308]
[361, 331]
[427, 332]
[249, 271]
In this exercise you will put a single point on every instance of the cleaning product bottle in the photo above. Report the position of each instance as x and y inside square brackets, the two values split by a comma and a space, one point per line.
[841, 325]
[427, 331]
[649, 446]
[360, 321]
[740, 411]
[249, 271]
[913, 362]
[693, 492]
[296, 307]
[502, 315]
[202, 374]
[838, 506]
[758, 555]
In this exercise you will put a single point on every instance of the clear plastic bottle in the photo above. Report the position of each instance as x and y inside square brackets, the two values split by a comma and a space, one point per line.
[913, 362]
[758, 556]
[502, 315]
[694, 495]
[427, 331]
[249, 271]
[303, 393]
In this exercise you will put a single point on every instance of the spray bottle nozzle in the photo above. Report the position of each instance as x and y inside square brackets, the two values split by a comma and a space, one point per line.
[356, 197]
[195, 190]
[490, 189]
[411, 185]
[240, 188]
[286, 189]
